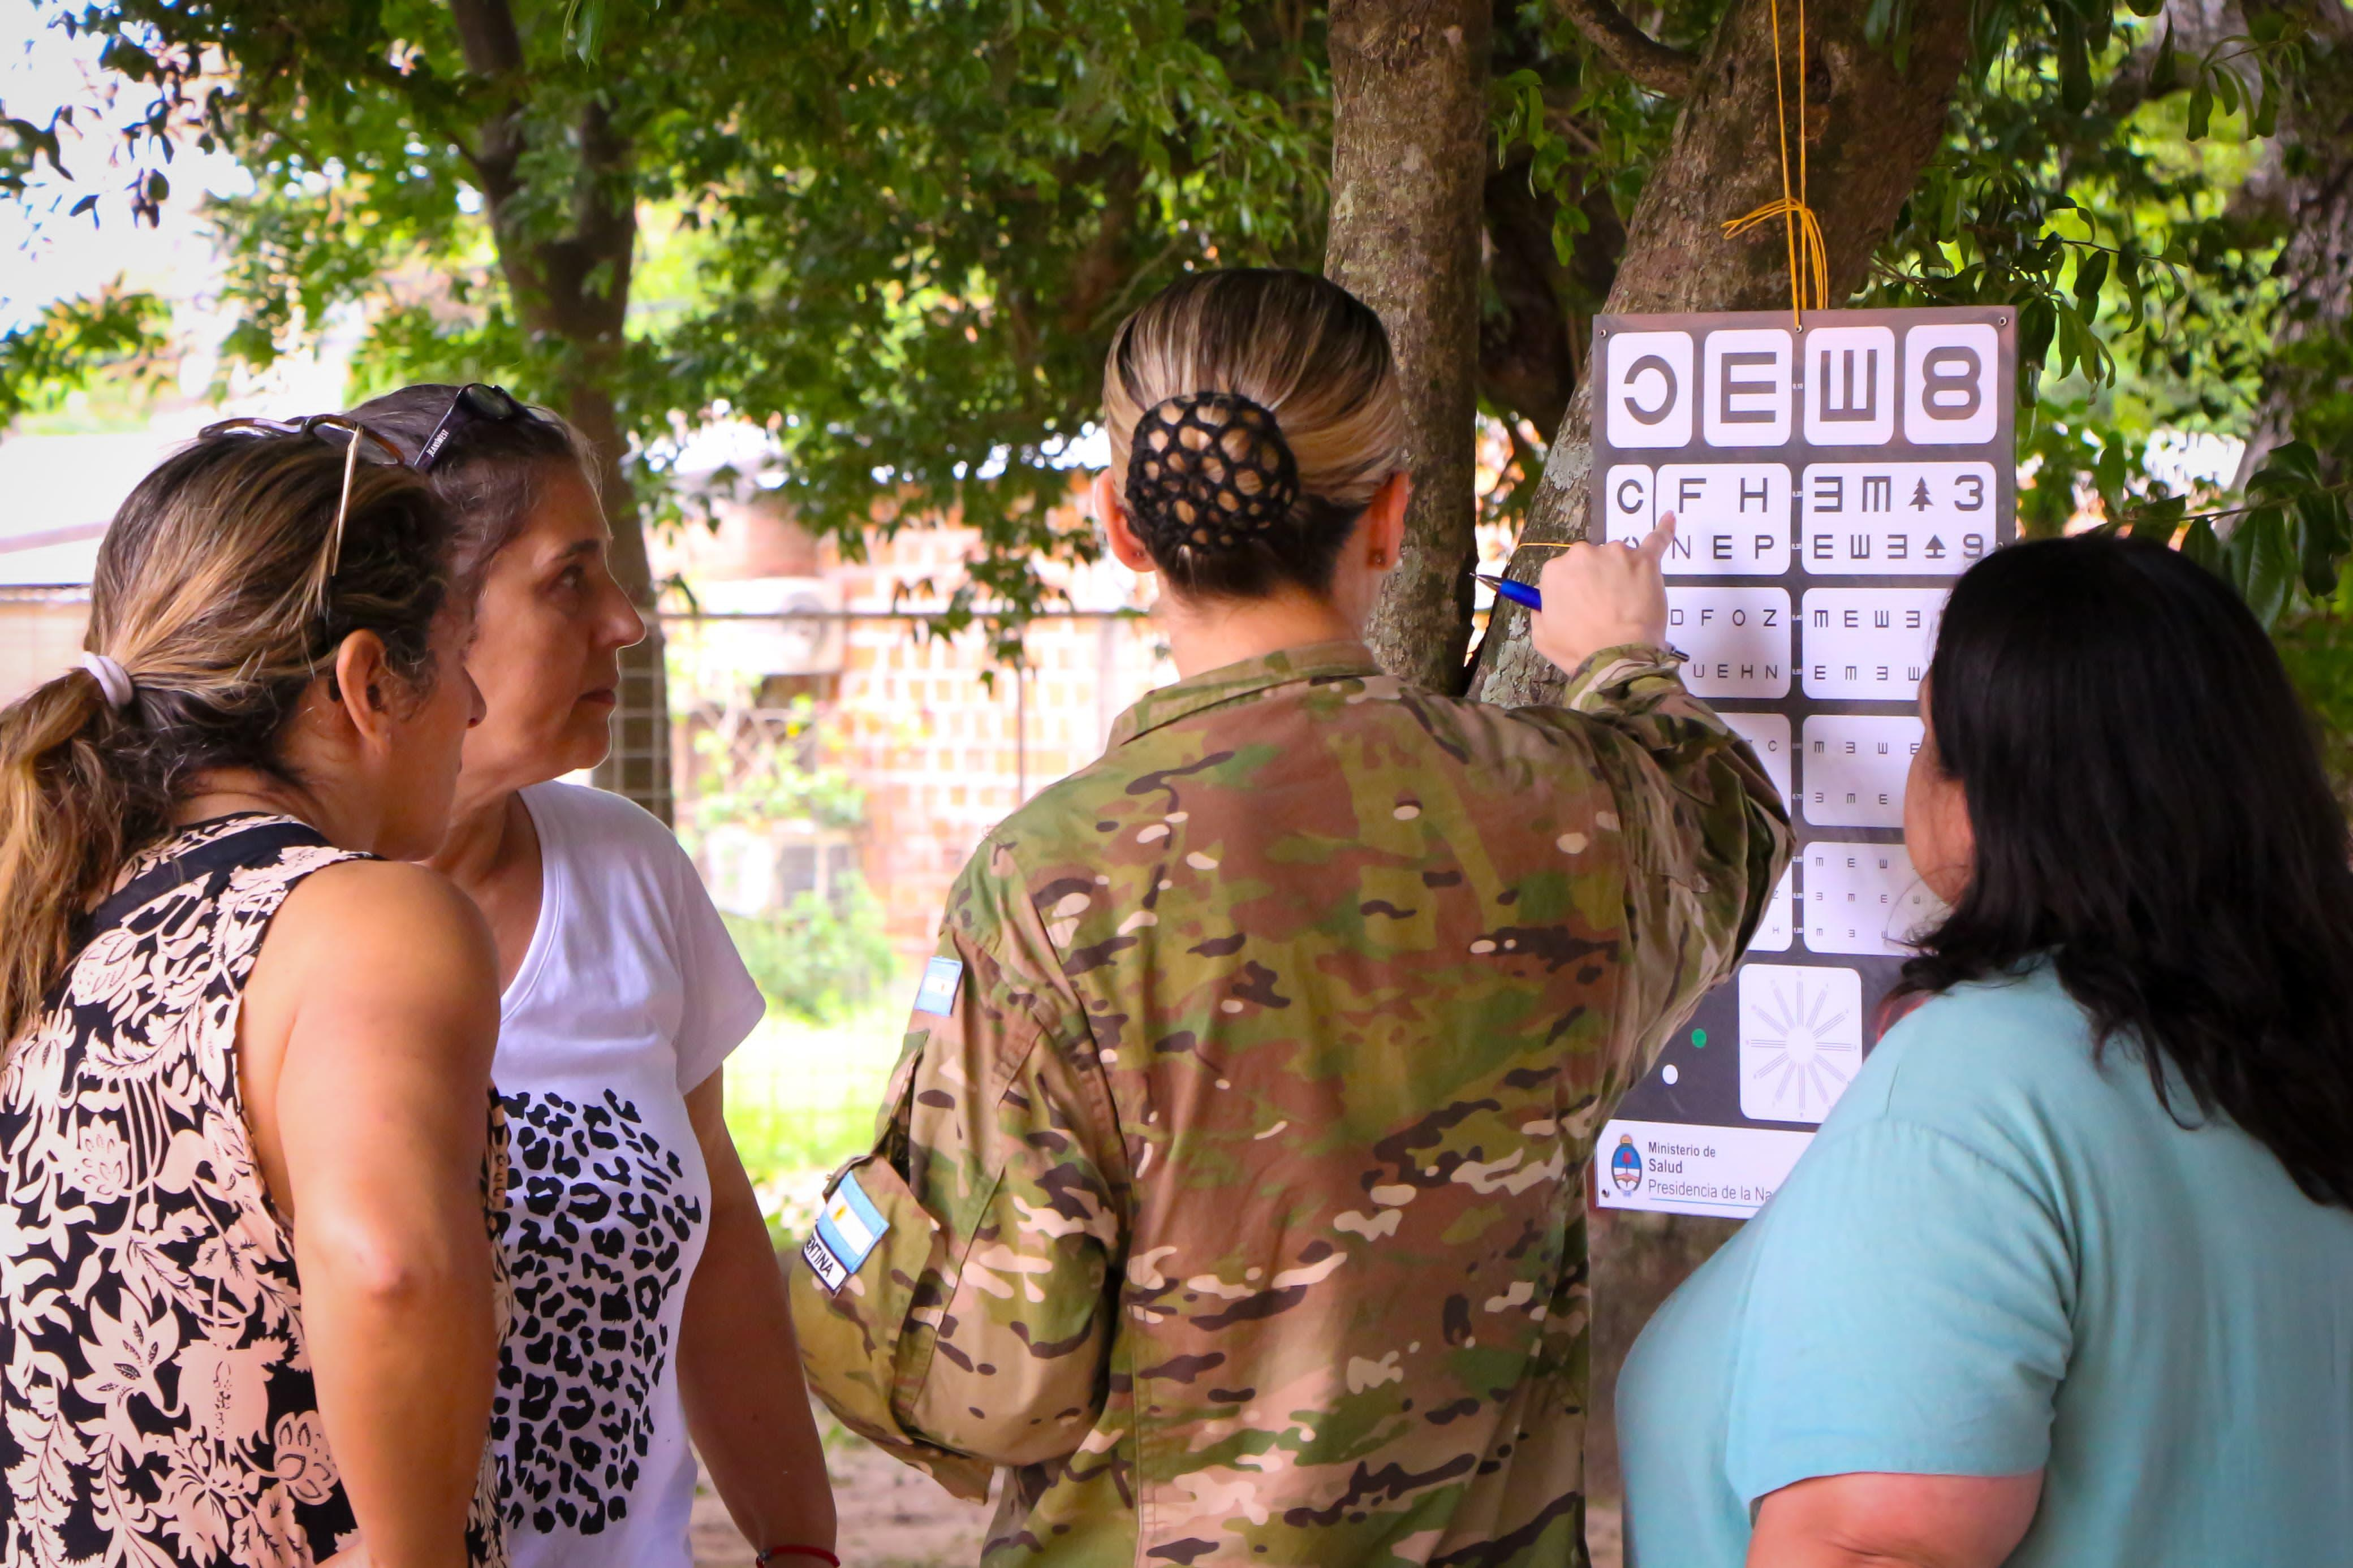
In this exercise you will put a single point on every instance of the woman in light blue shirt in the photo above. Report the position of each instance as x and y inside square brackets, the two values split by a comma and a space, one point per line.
[2067, 1278]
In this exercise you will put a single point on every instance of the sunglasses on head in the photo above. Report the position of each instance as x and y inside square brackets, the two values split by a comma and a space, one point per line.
[357, 440]
[477, 403]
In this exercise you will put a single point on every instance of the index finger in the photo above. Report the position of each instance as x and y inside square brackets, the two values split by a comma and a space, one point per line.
[1654, 545]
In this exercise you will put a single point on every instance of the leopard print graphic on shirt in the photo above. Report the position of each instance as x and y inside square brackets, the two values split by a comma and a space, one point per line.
[597, 1216]
[158, 1398]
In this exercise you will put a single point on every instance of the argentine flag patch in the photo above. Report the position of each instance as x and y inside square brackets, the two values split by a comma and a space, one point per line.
[848, 1228]
[942, 979]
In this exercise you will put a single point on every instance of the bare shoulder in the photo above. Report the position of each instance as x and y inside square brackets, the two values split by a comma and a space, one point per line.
[374, 920]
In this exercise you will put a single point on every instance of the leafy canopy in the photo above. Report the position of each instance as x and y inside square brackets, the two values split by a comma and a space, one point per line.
[895, 235]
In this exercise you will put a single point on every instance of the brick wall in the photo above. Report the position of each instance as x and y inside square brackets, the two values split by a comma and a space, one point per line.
[942, 752]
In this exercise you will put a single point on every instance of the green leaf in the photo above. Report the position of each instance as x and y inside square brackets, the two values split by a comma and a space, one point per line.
[2202, 110]
[2090, 273]
[2165, 72]
[2321, 530]
[2108, 474]
[2202, 546]
[2264, 563]
[2075, 61]
[2291, 465]
[584, 27]
[2099, 24]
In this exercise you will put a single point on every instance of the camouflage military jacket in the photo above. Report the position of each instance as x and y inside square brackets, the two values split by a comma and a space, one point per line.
[1230, 1190]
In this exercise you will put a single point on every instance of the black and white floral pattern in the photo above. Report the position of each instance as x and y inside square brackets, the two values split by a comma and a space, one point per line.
[158, 1399]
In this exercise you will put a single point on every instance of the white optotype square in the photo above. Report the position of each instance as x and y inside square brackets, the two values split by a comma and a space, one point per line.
[1750, 385]
[1649, 390]
[1950, 398]
[1738, 640]
[1852, 767]
[1732, 520]
[1896, 519]
[1800, 1039]
[1850, 376]
[1871, 643]
[1863, 898]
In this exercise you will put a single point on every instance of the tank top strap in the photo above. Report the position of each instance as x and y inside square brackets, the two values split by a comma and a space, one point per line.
[229, 844]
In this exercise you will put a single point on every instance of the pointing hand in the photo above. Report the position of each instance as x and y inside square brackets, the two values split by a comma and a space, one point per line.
[1600, 595]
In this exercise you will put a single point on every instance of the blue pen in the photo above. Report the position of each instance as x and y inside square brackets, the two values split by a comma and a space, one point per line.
[1517, 593]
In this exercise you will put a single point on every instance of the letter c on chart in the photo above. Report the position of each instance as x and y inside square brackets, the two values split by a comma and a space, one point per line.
[1644, 366]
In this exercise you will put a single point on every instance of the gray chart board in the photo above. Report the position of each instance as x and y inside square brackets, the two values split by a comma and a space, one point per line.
[1830, 476]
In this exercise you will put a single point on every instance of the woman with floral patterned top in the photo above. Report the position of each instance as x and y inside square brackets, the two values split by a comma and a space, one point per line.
[249, 1304]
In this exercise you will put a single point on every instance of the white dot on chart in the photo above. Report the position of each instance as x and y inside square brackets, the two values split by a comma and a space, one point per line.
[1669, 1073]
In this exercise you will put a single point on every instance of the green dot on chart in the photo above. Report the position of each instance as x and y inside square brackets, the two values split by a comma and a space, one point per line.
[1699, 1038]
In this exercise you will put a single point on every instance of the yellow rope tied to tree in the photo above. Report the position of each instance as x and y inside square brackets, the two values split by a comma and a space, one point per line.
[1810, 268]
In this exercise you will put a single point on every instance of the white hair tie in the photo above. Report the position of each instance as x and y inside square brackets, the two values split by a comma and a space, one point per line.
[113, 679]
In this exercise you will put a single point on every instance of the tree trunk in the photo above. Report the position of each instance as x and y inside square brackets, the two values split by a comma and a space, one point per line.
[1409, 167]
[572, 288]
[2311, 184]
[1870, 129]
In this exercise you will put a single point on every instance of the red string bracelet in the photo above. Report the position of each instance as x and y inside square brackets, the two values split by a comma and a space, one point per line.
[770, 1554]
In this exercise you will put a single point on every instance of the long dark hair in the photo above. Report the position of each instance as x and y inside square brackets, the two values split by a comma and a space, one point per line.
[2150, 812]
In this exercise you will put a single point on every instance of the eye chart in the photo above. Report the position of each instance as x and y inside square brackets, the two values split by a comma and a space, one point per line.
[1828, 481]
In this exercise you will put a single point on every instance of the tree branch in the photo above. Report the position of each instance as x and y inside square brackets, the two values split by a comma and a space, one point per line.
[493, 50]
[1661, 67]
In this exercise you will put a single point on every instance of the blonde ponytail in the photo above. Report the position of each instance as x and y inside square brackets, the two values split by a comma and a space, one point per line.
[64, 808]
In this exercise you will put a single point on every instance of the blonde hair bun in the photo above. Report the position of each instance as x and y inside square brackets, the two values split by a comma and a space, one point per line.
[1277, 393]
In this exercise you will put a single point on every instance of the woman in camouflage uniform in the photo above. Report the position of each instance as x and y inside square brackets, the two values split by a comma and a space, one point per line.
[1230, 1191]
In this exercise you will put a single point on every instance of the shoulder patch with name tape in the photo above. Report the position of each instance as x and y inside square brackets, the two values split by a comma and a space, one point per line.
[942, 979]
[848, 1228]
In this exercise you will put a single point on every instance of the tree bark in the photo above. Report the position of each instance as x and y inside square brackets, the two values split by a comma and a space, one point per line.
[2311, 186]
[1409, 167]
[573, 288]
[1649, 63]
[1870, 128]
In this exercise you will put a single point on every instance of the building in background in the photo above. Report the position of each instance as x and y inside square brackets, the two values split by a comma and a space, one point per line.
[781, 647]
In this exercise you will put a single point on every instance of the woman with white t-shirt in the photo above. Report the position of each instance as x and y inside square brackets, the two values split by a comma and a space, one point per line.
[649, 1304]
